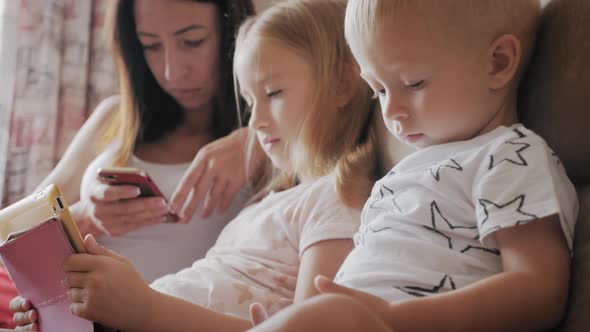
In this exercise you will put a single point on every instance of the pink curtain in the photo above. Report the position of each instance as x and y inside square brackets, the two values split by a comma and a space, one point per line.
[55, 69]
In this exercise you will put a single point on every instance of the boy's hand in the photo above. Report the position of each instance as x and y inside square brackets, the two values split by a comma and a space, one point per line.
[374, 303]
[104, 287]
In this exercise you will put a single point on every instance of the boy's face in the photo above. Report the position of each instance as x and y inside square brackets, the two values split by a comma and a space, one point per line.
[432, 86]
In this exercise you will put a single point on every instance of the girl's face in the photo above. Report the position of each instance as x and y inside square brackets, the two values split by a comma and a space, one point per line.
[279, 88]
[181, 41]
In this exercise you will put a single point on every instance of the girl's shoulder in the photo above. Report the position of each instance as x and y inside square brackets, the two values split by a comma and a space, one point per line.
[323, 194]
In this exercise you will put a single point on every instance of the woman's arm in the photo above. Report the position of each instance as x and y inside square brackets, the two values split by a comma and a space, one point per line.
[84, 147]
[219, 170]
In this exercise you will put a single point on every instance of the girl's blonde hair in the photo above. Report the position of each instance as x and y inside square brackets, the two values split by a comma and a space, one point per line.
[330, 140]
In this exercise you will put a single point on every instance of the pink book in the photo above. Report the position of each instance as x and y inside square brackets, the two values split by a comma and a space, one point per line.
[34, 260]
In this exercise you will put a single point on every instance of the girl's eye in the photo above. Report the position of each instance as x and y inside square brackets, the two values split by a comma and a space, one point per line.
[194, 43]
[415, 86]
[380, 93]
[274, 93]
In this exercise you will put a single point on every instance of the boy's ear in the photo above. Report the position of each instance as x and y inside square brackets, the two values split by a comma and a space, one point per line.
[505, 55]
[348, 85]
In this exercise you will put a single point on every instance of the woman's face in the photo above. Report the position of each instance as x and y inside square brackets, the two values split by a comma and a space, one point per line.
[181, 42]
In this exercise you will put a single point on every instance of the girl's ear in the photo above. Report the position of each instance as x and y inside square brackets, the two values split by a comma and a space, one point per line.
[504, 59]
[348, 84]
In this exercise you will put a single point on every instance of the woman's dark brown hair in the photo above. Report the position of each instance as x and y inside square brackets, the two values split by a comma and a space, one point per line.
[147, 112]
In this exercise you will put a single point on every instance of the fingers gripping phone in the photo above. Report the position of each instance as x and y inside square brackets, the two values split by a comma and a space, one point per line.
[120, 176]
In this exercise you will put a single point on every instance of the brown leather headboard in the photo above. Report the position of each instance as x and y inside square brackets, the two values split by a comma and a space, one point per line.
[555, 96]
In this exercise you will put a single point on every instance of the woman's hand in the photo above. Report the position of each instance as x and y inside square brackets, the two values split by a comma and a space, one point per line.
[117, 210]
[25, 317]
[104, 287]
[216, 174]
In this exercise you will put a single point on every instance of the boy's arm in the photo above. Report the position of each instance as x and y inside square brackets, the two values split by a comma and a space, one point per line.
[529, 295]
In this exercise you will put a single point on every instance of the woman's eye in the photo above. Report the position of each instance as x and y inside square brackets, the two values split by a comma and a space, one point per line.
[415, 86]
[150, 47]
[194, 43]
[274, 93]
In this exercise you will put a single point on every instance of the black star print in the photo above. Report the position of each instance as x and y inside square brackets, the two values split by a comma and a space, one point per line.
[449, 240]
[452, 164]
[488, 250]
[385, 192]
[421, 292]
[556, 158]
[519, 133]
[520, 147]
[436, 216]
[518, 201]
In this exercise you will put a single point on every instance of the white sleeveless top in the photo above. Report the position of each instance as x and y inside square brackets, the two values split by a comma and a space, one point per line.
[165, 248]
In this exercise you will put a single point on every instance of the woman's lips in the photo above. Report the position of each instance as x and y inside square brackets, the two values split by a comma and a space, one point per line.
[184, 93]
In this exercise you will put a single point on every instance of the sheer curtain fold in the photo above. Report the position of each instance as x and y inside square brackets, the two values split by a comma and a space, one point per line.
[54, 69]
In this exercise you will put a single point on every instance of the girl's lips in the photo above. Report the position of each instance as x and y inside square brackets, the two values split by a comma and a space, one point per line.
[412, 138]
[268, 142]
[271, 141]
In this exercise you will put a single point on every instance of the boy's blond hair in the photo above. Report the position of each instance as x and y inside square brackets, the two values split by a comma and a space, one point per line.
[478, 20]
[329, 139]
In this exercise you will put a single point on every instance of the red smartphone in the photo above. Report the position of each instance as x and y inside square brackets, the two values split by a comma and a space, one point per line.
[120, 176]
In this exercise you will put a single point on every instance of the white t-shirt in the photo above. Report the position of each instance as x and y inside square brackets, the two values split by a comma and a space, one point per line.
[165, 248]
[256, 257]
[428, 226]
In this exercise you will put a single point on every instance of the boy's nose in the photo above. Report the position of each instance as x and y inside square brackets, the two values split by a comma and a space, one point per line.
[395, 109]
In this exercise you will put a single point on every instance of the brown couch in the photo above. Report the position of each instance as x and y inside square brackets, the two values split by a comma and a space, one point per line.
[555, 103]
